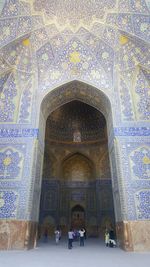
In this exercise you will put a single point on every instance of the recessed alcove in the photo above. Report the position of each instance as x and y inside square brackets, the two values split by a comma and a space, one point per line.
[76, 171]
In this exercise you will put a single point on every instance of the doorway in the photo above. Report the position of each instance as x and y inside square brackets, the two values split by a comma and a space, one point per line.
[78, 217]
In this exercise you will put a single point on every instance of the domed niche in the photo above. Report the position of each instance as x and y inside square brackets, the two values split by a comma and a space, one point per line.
[76, 122]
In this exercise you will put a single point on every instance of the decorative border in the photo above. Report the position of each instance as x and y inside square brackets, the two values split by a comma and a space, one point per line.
[30, 132]
[34, 132]
[132, 131]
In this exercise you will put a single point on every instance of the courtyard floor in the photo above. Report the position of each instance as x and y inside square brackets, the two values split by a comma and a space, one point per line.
[93, 254]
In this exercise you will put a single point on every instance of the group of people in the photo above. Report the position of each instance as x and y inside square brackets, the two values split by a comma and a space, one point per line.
[110, 238]
[74, 235]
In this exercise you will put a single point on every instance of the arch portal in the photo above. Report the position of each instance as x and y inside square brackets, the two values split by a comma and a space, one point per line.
[79, 177]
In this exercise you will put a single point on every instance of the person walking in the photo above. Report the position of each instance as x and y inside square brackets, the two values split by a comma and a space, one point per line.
[107, 238]
[57, 236]
[81, 233]
[70, 238]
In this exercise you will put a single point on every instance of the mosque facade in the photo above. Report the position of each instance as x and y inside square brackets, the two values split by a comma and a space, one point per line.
[74, 119]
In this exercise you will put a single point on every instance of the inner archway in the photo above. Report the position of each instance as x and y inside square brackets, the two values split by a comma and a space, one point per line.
[76, 163]
[77, 217]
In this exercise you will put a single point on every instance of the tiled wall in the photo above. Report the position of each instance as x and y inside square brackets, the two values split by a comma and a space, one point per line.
[110, 52]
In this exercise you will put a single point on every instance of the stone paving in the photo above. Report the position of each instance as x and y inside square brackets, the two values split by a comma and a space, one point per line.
[93, 254]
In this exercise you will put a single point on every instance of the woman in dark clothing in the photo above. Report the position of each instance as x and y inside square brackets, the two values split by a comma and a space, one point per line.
[112, 241]
[111, 234]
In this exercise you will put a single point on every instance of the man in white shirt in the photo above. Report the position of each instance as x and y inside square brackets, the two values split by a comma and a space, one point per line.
[81, 233]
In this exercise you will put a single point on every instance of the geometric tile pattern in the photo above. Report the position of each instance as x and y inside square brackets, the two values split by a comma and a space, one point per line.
[142, 200]
[134, 170]
[79, 52]
[9, 164]
[8, 204]
[142, 90]
[140, 162]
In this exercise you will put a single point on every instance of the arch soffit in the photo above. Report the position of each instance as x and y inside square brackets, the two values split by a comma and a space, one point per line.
[76, 90]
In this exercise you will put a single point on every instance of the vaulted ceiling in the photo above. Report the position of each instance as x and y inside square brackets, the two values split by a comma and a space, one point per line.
[73, 118]
[35, 34]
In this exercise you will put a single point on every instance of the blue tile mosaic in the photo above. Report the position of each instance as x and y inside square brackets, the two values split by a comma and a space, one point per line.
[142, 200]
[9, 164]
[8, 204]
[140, 159]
